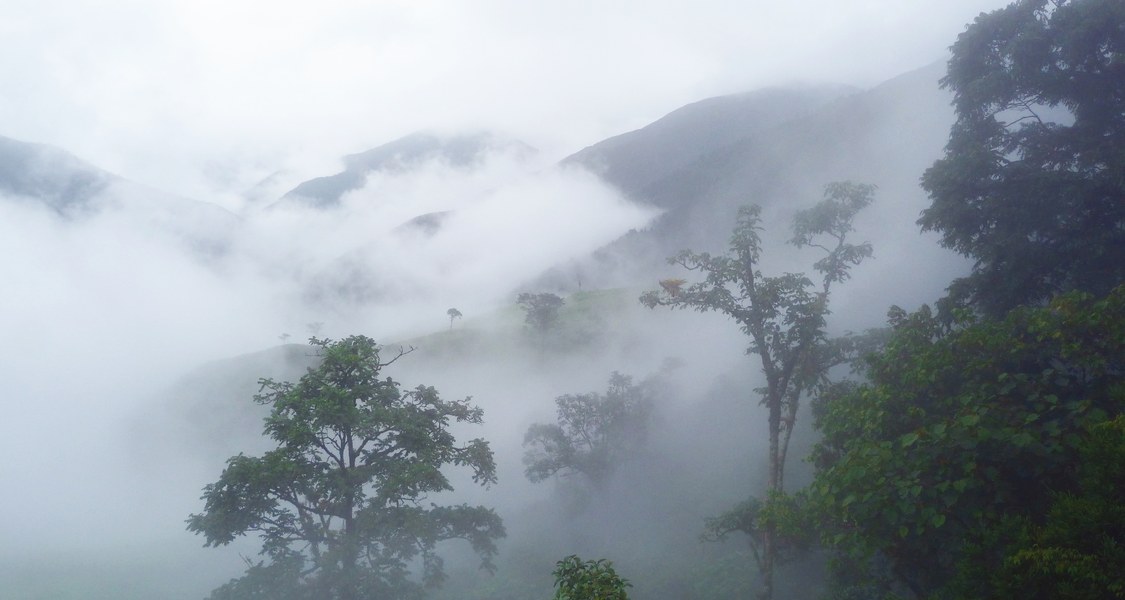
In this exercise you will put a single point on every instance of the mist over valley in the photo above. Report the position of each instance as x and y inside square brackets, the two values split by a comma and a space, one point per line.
[140, 322]
[190, 328]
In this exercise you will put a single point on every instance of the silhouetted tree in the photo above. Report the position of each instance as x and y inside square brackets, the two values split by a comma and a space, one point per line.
[542, 310]
[594, 432]
[453, 314]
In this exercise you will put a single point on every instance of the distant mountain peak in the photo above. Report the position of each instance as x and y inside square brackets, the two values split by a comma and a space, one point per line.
[775, 148]
[636, 160]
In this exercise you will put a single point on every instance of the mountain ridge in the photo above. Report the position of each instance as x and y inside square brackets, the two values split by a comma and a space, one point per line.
[59, 180]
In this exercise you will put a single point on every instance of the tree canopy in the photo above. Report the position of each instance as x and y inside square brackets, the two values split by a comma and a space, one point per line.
[1078, 552]
[541, 311]
[1031, 183]
[340, 503]
[929, 472]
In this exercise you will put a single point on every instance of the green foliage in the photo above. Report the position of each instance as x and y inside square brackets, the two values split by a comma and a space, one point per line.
[958, 433]
[1079, 551]
[783, 315]
[337, 502]
[594, 432]
[782, 513]
[541, 310]
[588, 580]
[1038, 201]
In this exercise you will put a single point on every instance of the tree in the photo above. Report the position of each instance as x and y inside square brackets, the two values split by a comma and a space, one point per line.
[542, 310]
[782, 514]
[783, 315]
[453, 314]
[931, 471]
[593, 434]
[339, 503]
[1078, 553]
[588, 580]
[1030, 186]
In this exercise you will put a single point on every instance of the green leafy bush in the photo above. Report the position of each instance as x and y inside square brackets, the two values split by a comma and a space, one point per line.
[588, 580]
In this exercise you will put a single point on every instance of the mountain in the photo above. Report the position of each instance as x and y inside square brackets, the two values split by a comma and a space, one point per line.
[698, 164]
[777, 158]
[400, 155]
[638, 160]
[776, 148]
[43, 174]
[76, 190]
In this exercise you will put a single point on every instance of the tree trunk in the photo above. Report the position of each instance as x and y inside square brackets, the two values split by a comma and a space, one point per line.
[769, 539]
[350, 555]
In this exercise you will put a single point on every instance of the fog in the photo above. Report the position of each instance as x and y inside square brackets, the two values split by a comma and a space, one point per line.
[135, 333]
[132, 357]
[206, 98]
[102, 315]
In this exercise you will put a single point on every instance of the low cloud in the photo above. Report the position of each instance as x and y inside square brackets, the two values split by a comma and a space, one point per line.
[500, 224]
[103, 313]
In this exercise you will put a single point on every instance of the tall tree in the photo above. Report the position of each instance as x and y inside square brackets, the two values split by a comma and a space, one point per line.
[1031, 183]
[453, 314]
[783, 315]
[338, 502]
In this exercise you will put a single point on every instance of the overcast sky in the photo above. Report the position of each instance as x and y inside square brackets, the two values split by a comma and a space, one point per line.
[202, 97]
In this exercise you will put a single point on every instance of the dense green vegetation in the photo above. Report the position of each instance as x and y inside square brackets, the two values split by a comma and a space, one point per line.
[979, 455]
[933, 470]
